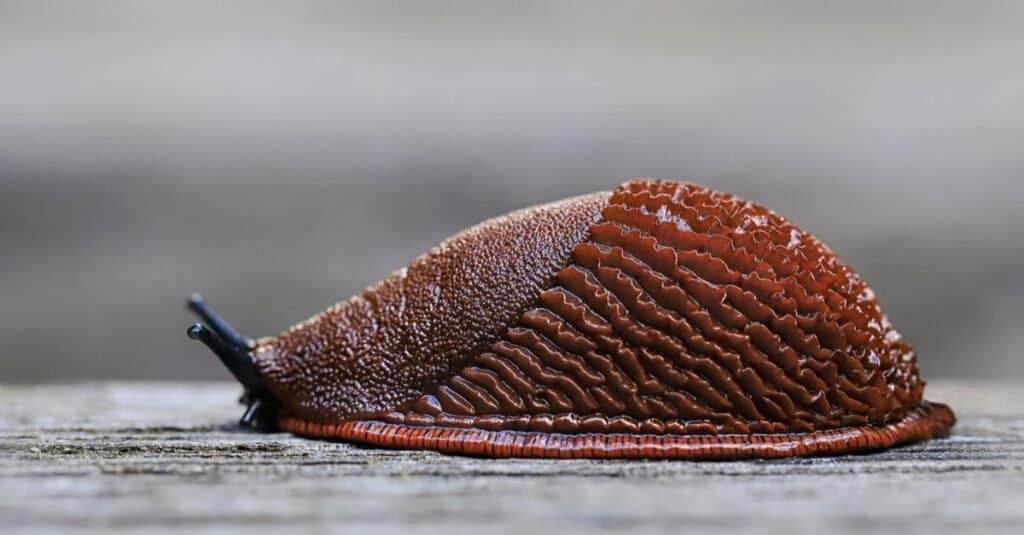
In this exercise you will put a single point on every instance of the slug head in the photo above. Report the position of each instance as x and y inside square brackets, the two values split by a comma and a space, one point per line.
[390, 344]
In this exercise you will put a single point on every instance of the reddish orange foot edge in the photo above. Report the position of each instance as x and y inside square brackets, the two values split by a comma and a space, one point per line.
[926, 421]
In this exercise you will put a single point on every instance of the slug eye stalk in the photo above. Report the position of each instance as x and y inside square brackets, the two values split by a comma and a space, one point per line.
[233, 350]
[223, 329]
[238, 363]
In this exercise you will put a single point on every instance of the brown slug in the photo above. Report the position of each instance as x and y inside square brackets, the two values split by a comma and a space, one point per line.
[659, 320]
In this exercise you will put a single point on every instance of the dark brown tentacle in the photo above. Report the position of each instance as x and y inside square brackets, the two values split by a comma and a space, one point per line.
[233, 350]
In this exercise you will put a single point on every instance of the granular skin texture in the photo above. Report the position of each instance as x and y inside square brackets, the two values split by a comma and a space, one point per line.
[405, 335]
[662, 320]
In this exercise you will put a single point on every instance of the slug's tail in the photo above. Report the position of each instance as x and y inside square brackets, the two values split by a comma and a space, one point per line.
[234, 351]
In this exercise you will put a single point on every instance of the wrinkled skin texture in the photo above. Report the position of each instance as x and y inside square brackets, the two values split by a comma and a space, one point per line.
[691, 322]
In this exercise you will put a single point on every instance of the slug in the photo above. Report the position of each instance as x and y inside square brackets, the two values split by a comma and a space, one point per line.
[658, 320]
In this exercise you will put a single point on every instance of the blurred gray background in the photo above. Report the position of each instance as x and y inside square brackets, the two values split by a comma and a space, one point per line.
[279, 157]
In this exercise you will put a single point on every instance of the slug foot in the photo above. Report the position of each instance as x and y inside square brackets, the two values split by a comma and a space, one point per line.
[929, 420]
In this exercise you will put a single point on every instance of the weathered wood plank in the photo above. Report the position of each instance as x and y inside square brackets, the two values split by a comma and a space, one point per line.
[102, 457]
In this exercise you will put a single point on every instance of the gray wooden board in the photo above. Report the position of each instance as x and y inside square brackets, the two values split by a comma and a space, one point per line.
[159, 456]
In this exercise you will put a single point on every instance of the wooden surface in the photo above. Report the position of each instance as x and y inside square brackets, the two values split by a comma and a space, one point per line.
[159, 456]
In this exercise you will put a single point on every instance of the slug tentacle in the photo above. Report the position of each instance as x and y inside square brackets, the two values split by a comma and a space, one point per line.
[233, 350]
[198, 305]
[659, 320]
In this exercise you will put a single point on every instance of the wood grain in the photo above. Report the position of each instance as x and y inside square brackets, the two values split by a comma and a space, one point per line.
[158, 456]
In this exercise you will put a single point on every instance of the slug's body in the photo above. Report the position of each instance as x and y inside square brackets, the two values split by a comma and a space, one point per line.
[658, 320]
